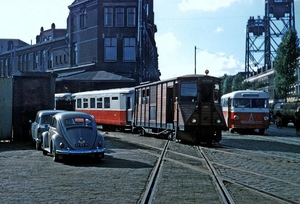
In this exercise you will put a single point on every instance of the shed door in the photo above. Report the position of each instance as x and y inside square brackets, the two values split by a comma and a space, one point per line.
[6, 108]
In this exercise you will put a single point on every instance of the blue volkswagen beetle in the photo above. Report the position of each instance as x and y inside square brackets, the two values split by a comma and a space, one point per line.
[73, 133]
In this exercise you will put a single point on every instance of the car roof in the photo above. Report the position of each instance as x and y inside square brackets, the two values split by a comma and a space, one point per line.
[72, 114]
[49, 112]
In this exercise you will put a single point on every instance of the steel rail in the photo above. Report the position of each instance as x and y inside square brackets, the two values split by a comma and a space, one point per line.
[223, 190]
[150, 190]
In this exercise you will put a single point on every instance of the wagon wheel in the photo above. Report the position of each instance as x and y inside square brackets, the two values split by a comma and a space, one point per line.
[218, 136]
[261, 131]
[142, 132]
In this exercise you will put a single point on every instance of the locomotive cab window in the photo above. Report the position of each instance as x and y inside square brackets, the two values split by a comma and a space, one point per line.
[188, 92]
[217, 93]
[206, 92]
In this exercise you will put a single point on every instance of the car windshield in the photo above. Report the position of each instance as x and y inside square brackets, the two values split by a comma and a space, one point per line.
[78, 122]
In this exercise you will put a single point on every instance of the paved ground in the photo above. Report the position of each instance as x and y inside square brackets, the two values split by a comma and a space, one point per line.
[27, 176]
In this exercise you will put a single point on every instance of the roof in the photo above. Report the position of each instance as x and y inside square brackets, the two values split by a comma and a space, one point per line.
[48, 112]
[94, 76]
[105, 92]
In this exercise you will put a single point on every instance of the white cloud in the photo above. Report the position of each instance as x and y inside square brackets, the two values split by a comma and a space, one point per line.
[167, 43]
[218, 64]
[219, 30]
[204, 5]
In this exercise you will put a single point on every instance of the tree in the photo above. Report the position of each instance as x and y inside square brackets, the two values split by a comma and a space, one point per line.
[226, 84]
[237, 83]
[285, 64]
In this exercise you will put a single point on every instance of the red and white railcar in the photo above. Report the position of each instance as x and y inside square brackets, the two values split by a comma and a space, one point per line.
[246, 109]
[111, 107]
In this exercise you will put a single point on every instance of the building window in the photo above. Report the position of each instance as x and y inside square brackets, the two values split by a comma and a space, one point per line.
[119, 17]
[108, 17]
[110, 47]
[50, 61]
[20, 63]
[131, 17]
[36, 65]
[129, 49]
[83, 18]
[74, 53]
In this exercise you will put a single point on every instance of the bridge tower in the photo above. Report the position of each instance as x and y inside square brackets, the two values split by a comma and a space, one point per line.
[280, 17]
[255, 45]
[263, 36]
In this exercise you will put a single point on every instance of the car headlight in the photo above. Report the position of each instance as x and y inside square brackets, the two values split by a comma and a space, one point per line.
[266, 118]
[194, 120]
[218, 121]
[235, 117]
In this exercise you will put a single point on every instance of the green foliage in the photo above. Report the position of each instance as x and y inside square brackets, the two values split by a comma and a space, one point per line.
[226, 84]
[286, 63]
[233, 83]
[247, 85]
[237, 83]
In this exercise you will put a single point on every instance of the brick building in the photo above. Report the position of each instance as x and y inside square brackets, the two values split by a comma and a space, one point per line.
[106, 44]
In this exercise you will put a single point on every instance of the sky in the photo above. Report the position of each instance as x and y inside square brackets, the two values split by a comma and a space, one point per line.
[217, 28]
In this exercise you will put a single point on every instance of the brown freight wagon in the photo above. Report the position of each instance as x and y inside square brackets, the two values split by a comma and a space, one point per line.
[186, 108]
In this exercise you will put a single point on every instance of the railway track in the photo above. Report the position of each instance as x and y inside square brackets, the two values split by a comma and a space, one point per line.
[239, 186]
[259, 175]
[157, 174]
[220, 174]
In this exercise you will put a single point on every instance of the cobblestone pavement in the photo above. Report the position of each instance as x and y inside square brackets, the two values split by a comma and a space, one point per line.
[269, 162]
[27, 176]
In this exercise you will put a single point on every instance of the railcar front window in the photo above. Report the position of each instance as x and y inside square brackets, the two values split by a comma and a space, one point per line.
[259, 103]
[188, 92]
[241, 103]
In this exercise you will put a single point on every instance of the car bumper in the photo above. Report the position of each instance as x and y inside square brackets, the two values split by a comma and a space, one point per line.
[81, 151]
[38, 140]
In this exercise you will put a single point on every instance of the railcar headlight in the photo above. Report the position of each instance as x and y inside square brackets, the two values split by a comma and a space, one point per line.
[194, 120]
[235, 117]
[100, 144]
[61, 145]
[266, 118]
[218, 121]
